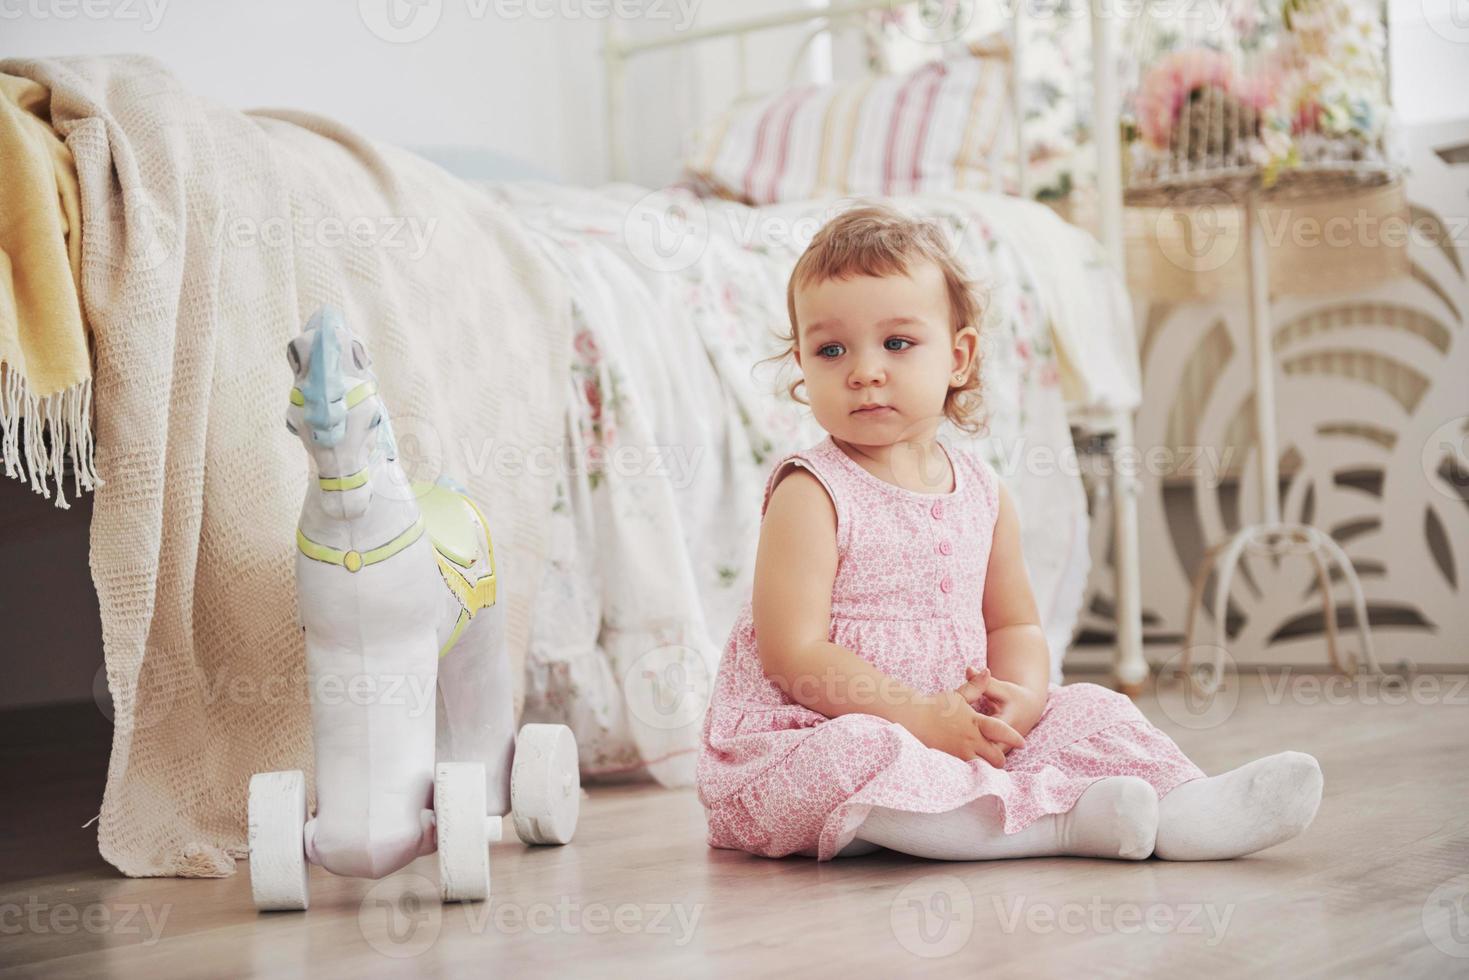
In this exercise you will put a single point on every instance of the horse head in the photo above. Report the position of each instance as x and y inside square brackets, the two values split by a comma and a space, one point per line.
[337, 413]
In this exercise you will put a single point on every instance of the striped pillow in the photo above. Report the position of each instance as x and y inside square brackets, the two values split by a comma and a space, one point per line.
[948, 125]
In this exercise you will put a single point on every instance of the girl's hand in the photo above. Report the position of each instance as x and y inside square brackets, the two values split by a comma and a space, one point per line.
[1018, 706]
[946, 721]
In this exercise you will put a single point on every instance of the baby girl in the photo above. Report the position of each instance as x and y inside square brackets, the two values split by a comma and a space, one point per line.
[888, 682]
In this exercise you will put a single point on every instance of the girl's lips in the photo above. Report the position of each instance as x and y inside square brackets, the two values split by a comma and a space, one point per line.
[874, 410]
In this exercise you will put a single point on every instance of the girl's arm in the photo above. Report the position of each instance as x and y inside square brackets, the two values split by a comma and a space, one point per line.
[795, 568]
[1017, 644]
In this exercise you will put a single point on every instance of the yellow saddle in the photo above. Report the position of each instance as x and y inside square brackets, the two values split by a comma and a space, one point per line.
[461, 537]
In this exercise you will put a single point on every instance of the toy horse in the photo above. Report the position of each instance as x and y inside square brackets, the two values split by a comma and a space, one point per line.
[411, 699]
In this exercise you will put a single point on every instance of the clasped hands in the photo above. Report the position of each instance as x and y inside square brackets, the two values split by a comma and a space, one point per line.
[950, 721]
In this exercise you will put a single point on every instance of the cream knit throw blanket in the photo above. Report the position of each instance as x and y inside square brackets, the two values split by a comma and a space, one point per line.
[208, 237]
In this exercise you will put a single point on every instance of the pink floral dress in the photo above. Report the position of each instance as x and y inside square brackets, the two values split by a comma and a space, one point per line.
[776, 778]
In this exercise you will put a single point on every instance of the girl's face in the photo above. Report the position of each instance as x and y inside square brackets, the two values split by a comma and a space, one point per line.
[881, 340]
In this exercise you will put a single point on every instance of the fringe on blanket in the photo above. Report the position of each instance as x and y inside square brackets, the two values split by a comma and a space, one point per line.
[39, 435]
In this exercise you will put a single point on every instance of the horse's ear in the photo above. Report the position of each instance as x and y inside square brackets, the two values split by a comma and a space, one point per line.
[293, 357]
[359, 355]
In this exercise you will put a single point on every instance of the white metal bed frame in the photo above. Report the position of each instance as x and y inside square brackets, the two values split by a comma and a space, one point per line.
[1130, 669]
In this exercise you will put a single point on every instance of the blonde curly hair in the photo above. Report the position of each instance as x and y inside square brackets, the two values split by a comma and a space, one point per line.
[876, 240]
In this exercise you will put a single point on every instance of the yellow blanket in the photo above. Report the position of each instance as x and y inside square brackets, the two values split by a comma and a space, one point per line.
[45, 369]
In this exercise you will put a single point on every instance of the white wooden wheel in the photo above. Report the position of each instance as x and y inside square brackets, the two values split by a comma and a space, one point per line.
[463, 831]
[277, 817]
[545, 784]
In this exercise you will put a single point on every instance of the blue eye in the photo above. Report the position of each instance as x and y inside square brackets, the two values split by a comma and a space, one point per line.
[897, 340]
[820, 351]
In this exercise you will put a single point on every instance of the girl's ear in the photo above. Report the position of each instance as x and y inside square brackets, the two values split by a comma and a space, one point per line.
[966, 347]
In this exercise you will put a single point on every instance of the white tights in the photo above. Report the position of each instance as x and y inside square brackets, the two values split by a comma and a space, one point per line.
[1238, 812]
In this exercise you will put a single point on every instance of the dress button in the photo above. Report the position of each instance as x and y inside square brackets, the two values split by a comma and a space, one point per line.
[945, 548]
[946, 584]
[937, 510]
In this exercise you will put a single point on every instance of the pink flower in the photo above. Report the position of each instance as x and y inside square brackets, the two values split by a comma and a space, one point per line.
[594, 398]
[1168, 83]
[586, 346]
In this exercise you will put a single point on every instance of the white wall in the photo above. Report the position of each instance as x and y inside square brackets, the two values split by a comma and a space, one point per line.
[518, 77]
[1428, 59]
[523, 85]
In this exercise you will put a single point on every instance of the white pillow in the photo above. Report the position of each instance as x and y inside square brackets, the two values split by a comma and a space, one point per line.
[947, 125]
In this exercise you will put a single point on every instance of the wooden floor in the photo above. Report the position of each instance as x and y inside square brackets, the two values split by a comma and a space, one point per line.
[1376, 887]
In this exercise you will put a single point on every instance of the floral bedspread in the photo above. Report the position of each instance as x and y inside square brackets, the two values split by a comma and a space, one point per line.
[672, 430]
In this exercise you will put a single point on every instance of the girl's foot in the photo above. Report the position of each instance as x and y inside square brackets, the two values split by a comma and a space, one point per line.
[1248, 809]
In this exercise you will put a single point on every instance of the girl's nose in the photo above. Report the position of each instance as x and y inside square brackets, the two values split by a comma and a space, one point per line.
[866, 373]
